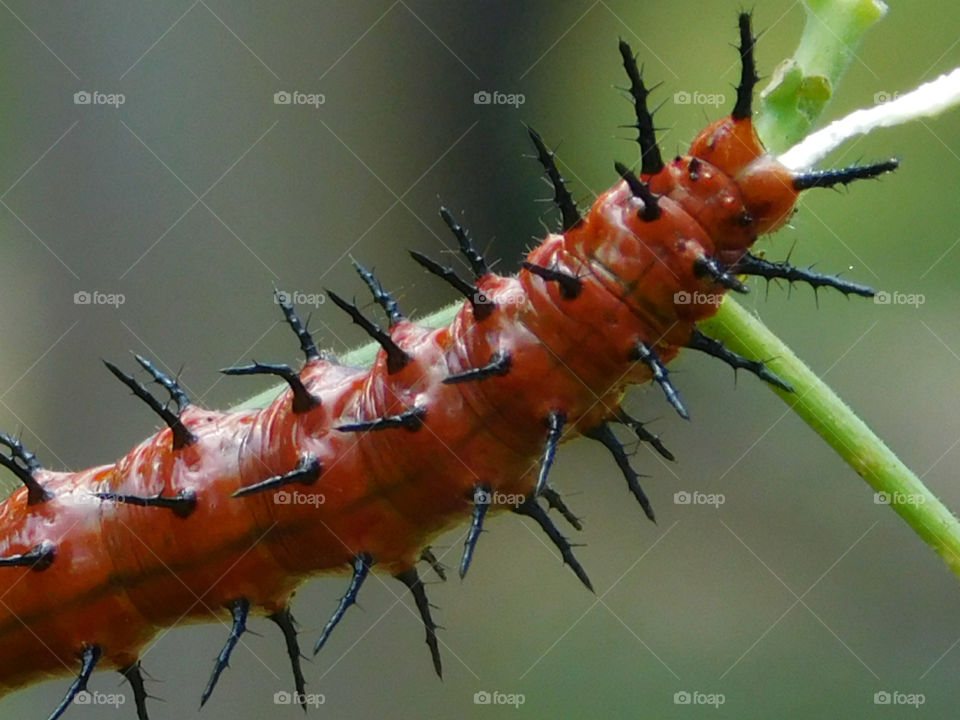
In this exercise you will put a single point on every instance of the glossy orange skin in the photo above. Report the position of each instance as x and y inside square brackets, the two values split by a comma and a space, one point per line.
[122, 573]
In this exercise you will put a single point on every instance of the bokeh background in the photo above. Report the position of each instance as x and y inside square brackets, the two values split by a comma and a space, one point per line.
[798, 597]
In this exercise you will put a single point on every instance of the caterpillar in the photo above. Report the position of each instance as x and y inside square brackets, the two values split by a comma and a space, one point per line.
[529, 362]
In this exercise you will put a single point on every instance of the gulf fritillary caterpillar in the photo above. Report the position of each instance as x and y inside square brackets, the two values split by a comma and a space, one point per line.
[473, 397]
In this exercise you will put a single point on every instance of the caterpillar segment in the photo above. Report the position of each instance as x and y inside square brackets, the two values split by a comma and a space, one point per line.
[196, 522]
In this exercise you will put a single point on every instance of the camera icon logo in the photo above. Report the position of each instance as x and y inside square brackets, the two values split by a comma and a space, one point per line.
[81, 297]
[482, 97]
[882, 697]
[282, 97]
[282, 497]
[681, 498]
[282, 697]
[83, 698]
[882, 498]
[882, 298]
[82, 98]
[682, 298]
[682, 97]
[681, 697]
[481, 496]
[481, 697]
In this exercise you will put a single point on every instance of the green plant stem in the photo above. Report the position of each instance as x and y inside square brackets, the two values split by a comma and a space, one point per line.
[847, 434]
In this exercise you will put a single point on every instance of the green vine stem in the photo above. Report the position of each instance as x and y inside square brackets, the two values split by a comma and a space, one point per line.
[797, 95]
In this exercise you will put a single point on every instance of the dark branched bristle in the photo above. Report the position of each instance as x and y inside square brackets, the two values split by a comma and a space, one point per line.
[843, 176]
[481, 503]
[651, 202]
[604, 435]
[380, 296]
[306, 473]
[411, 419]
[133, 675]
[748, 70]
[397, 358]
[532, 509]
[361, 568]
[411, 579]
[303, 401]
[555, 502]
[715, 348]
[24, 464]
[88, 662]
[648, 356]
[499, 365]
[570, 216]
[428, 557]
[650, 157]
[38, 558]
[555, 422]
[182, 504]
[643, 434]
[182, 437]
[706, 266]
[239, 609]
[760, 267]
[169, 384]
[307, 345]
[482, 307]
[570, 285]
[467, 249]
[288, 626]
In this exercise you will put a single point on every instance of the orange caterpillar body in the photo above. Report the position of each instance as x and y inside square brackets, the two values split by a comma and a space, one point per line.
[446, 424]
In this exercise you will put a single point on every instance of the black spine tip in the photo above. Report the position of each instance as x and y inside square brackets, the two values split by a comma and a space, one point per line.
[288, 626]
[397, 358]
[648, 356]
[361, 568]
[706, 266]
[748, 70]
[532, 509]
[307, 345]
[411, 419]
[467, 249]
[481, 503]
[498, 366]
[752, 265]
[303, 401]
[88, 661]
[715, 348]
[603, 434]
[24, 464]
[239, 609]
[411, 579]
[651, 159]
[569, 214]
[307, 472]
[843, 176]
[182, 437]
[380, 296]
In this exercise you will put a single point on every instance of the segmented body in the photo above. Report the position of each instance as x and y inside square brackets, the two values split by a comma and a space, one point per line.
[403, 451]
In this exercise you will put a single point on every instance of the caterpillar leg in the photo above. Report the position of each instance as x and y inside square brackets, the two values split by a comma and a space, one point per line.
[134, 676]
[239, 609]
[415, 585]
[88, 659]
[532, 509]
[284, 620]
[361, 568]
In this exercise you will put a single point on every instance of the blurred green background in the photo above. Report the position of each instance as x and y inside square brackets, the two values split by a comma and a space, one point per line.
[798, 597]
